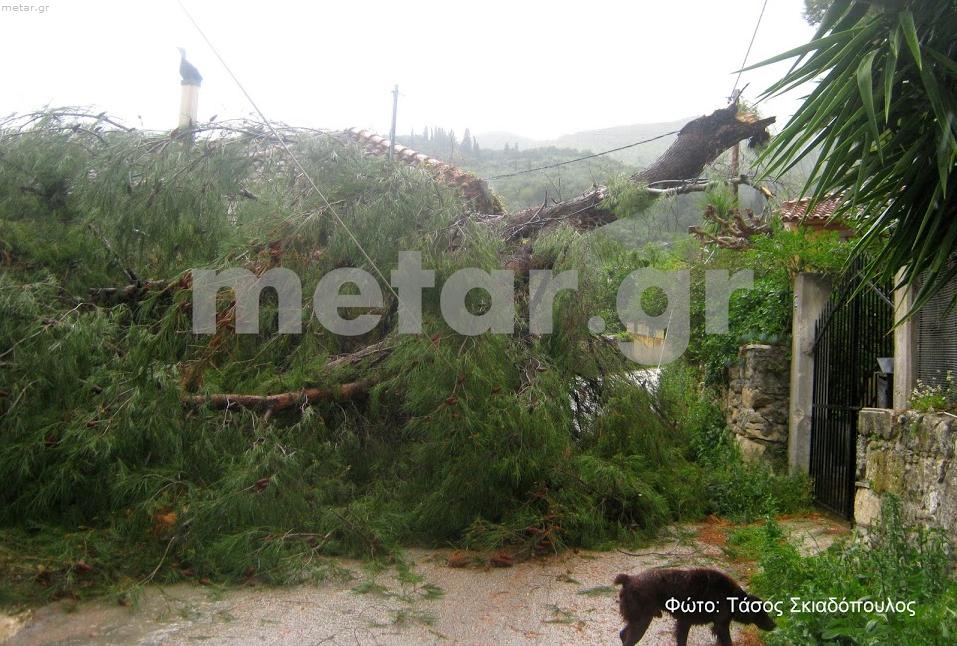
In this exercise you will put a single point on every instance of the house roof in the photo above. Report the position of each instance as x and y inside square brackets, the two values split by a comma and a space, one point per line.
[796, 210]
[474, 189]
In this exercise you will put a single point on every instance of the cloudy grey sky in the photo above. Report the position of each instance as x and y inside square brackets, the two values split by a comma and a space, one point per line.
[538, 69]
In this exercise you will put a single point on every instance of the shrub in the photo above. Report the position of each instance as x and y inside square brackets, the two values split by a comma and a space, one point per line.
[735, 488]
[896, 563]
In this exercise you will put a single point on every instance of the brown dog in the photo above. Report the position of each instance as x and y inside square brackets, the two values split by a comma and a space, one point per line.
[694, 596]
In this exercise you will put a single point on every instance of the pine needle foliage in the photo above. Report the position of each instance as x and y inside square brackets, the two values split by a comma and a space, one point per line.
[466, 439]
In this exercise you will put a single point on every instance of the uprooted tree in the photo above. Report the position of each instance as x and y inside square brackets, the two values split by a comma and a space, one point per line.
[699, 143]
[117, 416]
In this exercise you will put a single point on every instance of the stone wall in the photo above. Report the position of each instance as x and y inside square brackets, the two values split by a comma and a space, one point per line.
[907, 454]
[756, 404]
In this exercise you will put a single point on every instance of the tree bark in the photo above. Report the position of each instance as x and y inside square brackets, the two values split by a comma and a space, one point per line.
[282, 401]
[699, 143]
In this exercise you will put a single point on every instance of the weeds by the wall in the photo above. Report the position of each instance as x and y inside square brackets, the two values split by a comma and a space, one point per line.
[739, 490]
[897, 563]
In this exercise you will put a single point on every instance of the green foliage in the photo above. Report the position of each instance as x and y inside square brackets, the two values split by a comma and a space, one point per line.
[721, 199]
[460, 439]
[786, 253]
[896, 563]
[46, 562]
[626, 198]
[735, 488]
[131, 202]
[746, 543]
[744, 491]
[761, 314]
[628, 479]
[881, 117]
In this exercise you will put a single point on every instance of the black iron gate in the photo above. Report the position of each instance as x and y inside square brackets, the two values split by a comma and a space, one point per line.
[849, 337]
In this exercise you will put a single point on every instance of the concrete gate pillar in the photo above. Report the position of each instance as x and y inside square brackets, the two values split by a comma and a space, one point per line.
[905, 345]
[811, 292]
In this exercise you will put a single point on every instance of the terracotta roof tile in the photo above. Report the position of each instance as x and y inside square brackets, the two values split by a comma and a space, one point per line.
[474, 189]
[796, 210]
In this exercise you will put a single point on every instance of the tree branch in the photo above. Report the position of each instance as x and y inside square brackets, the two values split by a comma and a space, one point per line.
[734, 232]
[282, 401]
[380, 350]
[702, 185]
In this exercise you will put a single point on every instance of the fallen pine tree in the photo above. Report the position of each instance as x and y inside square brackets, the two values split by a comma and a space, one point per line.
[406, 438]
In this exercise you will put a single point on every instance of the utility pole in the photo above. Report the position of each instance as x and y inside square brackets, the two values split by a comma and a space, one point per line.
[735, 167]
[395, 109]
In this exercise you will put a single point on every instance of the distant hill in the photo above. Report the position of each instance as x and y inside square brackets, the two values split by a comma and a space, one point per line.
[497, 140]
[511, 172]
[497, 153]
[597, 141]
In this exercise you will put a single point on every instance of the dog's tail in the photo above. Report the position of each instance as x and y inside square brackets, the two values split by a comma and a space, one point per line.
[621, 579]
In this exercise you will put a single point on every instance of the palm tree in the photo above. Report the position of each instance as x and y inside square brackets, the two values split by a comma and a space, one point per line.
[883, 117]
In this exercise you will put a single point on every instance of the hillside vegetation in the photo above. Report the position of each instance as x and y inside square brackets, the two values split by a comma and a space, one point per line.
[522, 186]
[597, 140]
[495, 154]
[512, 174]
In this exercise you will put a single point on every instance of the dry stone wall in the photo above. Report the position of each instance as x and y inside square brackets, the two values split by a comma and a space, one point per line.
[756, 404]
[910, 455]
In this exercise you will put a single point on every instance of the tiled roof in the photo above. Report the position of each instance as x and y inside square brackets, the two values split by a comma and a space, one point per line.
[475, 190]
[796, 210]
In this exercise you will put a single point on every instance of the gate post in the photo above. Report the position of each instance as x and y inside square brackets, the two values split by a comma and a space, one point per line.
[905, 344]
[811, 292]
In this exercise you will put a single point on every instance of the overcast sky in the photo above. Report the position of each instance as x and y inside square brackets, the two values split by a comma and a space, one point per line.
[538, 69]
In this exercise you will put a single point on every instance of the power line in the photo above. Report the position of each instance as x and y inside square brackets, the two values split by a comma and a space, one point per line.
[750, 45]
[289, 153]
[572, 161]
[308, 177]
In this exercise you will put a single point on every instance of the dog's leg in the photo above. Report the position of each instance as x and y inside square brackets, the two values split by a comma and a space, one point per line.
[723, 632]
[681, 632]
[634, 631]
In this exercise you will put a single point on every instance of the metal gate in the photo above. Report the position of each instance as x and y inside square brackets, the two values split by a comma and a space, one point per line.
[849, 337]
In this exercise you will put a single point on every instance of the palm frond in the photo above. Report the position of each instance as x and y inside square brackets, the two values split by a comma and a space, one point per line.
[883, 119]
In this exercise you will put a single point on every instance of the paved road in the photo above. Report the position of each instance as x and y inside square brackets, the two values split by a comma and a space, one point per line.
[565, 599]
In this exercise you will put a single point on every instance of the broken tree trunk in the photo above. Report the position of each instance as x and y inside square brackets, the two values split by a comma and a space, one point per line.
[676, 172]
[698, 144]
[701, 141]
